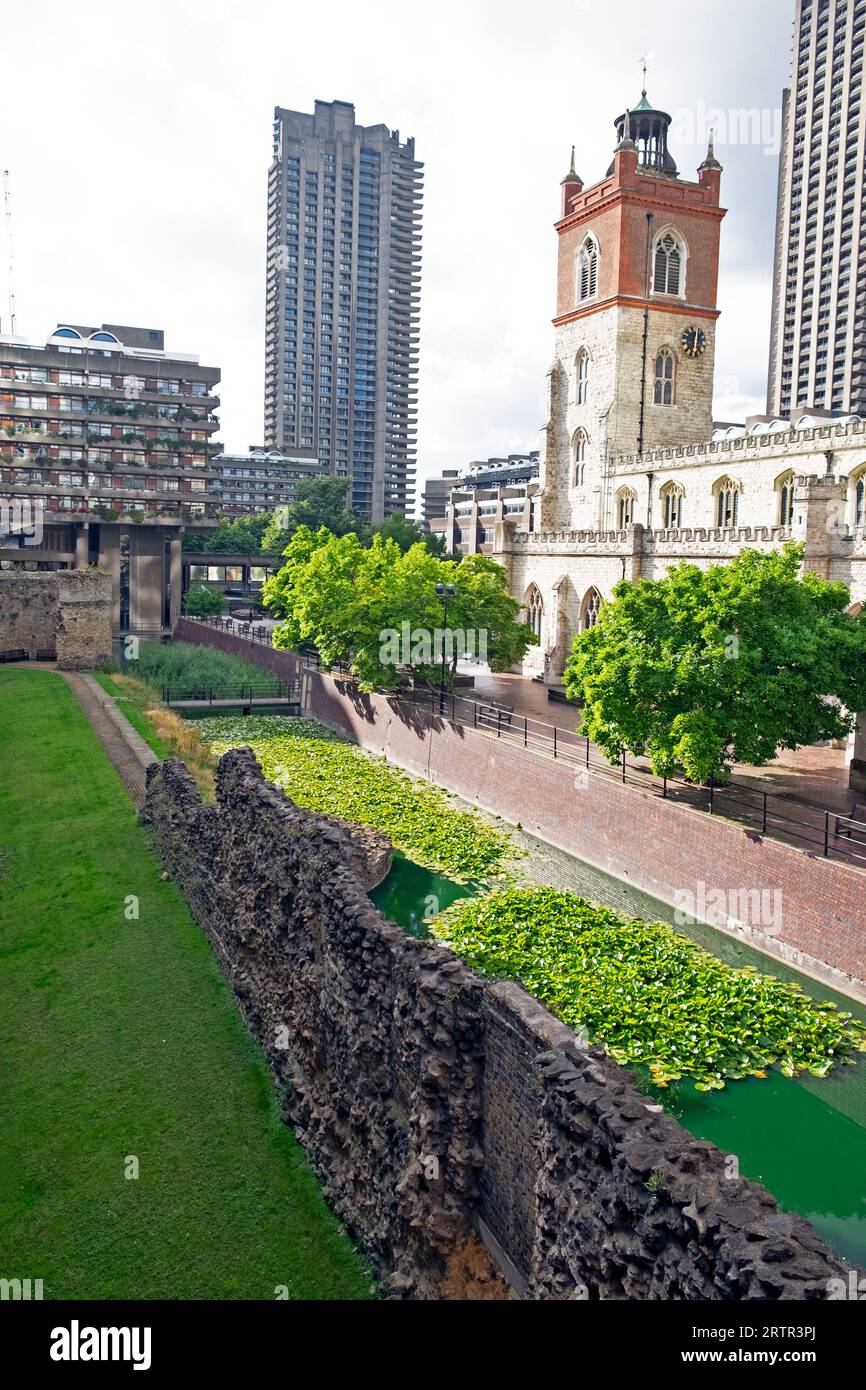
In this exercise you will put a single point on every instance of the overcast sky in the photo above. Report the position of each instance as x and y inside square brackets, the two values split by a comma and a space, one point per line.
[138, 140]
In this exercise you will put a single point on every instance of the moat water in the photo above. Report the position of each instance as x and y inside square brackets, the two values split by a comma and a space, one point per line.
[803, 1138]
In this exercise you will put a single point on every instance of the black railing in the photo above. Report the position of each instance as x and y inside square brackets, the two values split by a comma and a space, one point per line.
[242, 693]
[828, 833]
[778, 815]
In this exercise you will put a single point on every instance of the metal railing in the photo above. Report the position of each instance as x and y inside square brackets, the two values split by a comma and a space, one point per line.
[241, 693]
[826, 832]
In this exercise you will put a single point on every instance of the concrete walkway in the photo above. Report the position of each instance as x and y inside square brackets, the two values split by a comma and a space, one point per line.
[127, 751]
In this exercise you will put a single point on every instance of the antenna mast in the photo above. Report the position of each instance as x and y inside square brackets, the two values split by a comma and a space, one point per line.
[7, 199]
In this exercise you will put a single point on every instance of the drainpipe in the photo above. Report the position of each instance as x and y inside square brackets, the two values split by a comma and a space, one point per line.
[650, 218]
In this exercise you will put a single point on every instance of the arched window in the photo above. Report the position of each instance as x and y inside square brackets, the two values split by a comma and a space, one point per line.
[587, 269]
[665, 387]
[785, 493]
[727, 494]
[672, 506]
[590, 610]
[625, 500]
[534, 605]
[860, 498]
[582, 376]
[668, 265]
[579, 446]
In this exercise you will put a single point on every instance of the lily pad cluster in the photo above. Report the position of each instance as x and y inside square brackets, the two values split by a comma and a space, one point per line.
[651, 997]
[323, 772]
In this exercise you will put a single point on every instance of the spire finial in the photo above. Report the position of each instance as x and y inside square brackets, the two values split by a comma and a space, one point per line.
[626, 142]
[572, 176]
[711, 162]
[644, 62]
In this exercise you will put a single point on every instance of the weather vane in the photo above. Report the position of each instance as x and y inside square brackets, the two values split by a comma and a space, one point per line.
[645, 60]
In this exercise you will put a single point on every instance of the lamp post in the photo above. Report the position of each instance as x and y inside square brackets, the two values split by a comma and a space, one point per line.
[445, 592]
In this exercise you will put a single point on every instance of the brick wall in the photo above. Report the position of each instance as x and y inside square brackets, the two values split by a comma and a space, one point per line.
[658, 847]
[437, 1107]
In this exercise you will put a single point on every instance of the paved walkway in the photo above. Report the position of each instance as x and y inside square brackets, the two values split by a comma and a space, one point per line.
[816, 775]
[126, 749]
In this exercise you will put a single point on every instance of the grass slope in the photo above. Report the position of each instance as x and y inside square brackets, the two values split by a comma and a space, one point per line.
[121, 1038]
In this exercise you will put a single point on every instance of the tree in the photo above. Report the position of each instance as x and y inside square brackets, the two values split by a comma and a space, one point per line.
[376, 608]
[705, 668]
[407, 533]
[317, 502]
[241, 535]
[203, 603]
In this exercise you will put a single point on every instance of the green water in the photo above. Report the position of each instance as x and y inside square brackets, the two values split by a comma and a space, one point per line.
[804, 1139]
[410, 895]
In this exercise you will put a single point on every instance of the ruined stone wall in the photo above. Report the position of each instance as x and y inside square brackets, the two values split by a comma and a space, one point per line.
[444, 1114]
[60, 613]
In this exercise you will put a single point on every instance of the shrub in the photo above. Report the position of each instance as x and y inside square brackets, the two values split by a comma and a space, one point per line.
[189, 667]
[649, 996]
[322, 772]
[204, 603]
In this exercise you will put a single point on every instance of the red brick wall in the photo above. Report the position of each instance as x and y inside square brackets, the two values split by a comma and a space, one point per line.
[658, 847]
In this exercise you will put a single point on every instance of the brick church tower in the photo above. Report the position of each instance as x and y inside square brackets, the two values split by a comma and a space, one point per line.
[635, 322]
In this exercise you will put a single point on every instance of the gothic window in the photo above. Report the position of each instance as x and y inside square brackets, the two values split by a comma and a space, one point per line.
[587, 269]
[534, 610]
[785, 493]
[672, 506]
[625, 500]
[727, 494]
[860, 500]
[579, 444]
[582, 376]
[668, 272]
[590, 610]
[665, 378]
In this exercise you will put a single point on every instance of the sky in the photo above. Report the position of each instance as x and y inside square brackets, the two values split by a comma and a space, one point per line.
[138, 140]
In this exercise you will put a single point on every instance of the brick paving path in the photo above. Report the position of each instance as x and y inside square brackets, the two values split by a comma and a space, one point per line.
[126, 749]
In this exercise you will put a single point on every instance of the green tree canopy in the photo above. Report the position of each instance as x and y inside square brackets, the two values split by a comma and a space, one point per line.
[317, 502]
[204, 603]
[376, 607]
[239, 536]
[408, 533]
[705, 668]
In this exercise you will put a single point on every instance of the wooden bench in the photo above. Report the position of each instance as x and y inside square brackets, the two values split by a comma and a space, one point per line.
[845, 827]
[495, 716]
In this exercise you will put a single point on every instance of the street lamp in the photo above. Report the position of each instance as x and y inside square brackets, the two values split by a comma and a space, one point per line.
[445, 592]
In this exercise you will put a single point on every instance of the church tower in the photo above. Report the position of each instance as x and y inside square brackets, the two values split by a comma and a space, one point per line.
[635, 320]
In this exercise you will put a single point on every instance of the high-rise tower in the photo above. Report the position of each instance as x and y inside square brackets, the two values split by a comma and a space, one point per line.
[818, 337]
[343, 286]
[635, 321]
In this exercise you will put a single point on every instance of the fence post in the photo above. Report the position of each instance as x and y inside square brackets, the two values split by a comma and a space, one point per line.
[526, 731]
[554, 741]
[475, 708]
[623, 766]
[665, 788]
[587, 750]
[499, 723]
[826, 834]
[764, 823]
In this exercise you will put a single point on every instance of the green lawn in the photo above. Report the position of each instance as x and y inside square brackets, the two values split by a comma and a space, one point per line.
[121, 1038]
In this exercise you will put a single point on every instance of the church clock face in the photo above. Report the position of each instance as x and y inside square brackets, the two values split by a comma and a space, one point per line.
[694, 341]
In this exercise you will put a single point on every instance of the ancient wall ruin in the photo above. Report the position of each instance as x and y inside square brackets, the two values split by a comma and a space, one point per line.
[57, 614]
[448, 1116]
